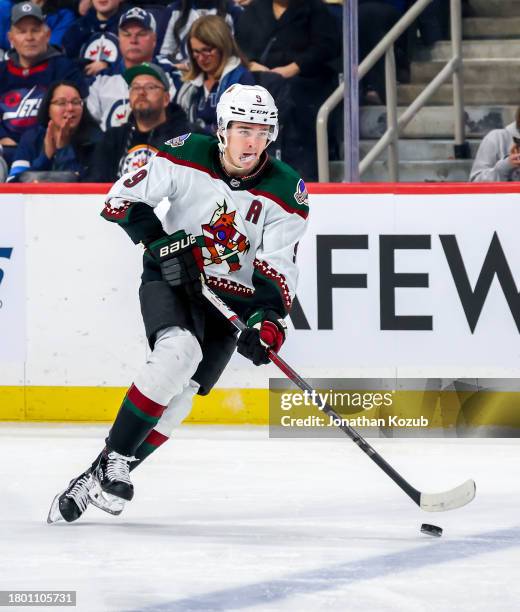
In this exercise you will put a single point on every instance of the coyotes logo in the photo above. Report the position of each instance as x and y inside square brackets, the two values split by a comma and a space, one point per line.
[221, 240]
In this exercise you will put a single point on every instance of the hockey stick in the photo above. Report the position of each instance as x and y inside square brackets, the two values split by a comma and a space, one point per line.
[431, 502]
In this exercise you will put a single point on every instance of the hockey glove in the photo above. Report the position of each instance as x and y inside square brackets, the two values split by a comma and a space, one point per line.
[180, 260]
[265, 330]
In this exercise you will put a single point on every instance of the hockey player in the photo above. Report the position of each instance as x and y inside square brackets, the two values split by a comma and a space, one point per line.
[235, 214]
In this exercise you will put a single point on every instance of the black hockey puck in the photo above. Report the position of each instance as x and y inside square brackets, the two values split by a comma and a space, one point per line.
[431, 530]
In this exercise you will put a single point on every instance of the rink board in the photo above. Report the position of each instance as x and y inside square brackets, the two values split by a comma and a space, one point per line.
[395, 280]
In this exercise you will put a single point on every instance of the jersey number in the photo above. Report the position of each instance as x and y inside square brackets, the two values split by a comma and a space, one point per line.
[137, 178]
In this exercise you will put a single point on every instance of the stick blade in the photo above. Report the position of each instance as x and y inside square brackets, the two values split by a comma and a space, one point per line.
[449, 500]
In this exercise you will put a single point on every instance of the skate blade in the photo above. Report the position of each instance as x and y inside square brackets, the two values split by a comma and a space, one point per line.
[54, 512]
[106, 502]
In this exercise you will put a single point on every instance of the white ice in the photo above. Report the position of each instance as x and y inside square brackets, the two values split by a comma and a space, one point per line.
[228, 519]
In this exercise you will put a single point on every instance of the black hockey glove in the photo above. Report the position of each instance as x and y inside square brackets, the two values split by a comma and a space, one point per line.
[180, 260]
[265, 330]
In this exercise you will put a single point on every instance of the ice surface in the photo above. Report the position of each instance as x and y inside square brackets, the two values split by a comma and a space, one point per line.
[226, 519]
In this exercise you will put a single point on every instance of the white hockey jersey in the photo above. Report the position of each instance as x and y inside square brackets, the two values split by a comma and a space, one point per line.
[248, 228]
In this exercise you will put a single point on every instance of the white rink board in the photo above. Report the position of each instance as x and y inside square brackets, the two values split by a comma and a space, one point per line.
[83, 325]
[12, 279]
[357, 339]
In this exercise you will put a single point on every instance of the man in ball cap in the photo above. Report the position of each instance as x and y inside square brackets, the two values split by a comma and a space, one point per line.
[108, 97]
[152, 121]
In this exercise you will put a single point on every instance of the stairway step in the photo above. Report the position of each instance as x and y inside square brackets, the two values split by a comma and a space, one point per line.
[491, 27]
[494, 71]
[471, 49]
[413, 172]
[435, 122]
[420, 149]
[473, 94]
[495, 8]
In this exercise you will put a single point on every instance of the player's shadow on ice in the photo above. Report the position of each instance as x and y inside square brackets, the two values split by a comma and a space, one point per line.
[342, 574]
[249, 534]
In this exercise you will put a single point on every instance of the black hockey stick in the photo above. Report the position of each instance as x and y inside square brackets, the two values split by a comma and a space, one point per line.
[431, 502]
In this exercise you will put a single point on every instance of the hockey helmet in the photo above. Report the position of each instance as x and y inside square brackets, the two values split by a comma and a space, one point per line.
[248, 104]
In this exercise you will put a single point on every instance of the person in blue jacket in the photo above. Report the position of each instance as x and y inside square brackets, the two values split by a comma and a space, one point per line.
[32, 65]
[64, 138]
[93, 37]
[216, 62]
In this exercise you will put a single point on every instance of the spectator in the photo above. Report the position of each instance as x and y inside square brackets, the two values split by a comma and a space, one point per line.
[28, 72]
[152, 122]
[216, 63]
[299, 40]
[498, 156]
[93, 36]
[59, 15]
[183, 13]
[65, 138]
[108, 97]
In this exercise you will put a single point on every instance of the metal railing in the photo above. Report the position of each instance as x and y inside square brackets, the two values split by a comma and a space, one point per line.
[395, 123]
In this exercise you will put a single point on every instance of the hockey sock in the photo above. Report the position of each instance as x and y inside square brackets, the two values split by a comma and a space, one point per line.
[135, 420]
[152, 442]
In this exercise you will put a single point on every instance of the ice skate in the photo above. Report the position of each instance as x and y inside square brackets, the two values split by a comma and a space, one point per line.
[71, 503]
[113, 475]
[105, 501]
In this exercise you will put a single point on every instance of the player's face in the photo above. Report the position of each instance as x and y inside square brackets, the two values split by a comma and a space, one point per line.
[106, 7]
[136, 43]
[148, 94]
[208, 58]
[29, 37]
[66, 107]
[245, 144]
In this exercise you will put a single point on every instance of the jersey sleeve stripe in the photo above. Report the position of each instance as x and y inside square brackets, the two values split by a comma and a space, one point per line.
[302, 212]
[186, 163]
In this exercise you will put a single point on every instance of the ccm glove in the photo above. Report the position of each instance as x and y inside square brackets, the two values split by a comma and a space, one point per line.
[265, 330]
[180, 260]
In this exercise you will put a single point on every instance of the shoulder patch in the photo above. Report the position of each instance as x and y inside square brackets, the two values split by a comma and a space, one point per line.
[301, 195]
[178, 141]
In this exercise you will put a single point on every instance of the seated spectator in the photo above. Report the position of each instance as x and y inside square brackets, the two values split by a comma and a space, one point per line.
[182, 15]
[153, 121]
[65, 138]
[108, 96]
[93, 36]
[216, 62]
[299, 40]
[28, 72]
[59, 15]
[498, 156]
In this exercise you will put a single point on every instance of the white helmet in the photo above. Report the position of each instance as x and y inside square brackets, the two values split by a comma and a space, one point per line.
[249, 104]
